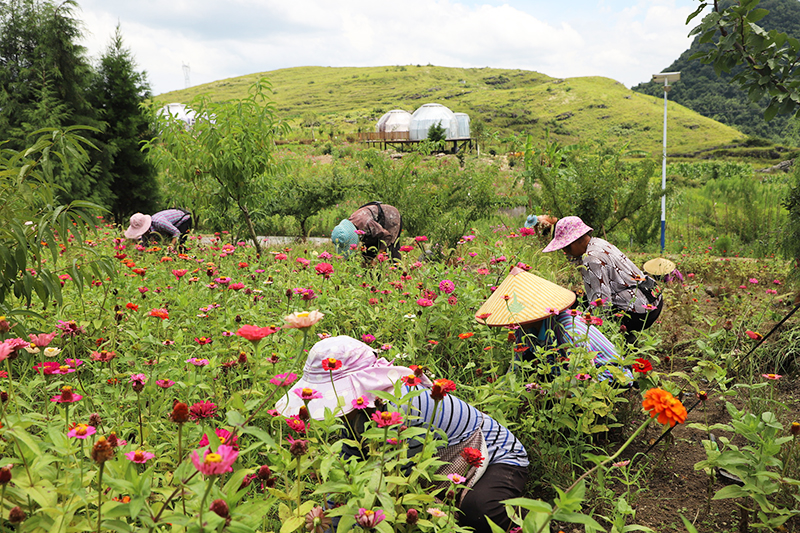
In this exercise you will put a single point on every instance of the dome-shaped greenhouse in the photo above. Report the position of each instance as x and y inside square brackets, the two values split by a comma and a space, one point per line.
[180, 112]
[429, 115]
[394, 120]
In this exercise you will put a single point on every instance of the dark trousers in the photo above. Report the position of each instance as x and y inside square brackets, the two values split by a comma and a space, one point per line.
[636, 322]
[499, 482]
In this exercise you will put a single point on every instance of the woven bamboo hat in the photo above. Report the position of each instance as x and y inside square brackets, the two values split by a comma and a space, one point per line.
[658, 266]
[530, 298]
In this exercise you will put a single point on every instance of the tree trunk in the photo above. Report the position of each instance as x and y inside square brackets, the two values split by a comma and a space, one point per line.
[251, 228]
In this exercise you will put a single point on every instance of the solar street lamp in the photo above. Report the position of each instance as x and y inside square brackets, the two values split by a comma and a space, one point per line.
[666, 78]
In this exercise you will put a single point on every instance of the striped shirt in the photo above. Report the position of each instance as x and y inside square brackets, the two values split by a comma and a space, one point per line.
[573, 332]
[459, 420]
[165, 222]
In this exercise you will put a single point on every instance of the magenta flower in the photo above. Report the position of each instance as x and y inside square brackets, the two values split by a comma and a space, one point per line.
[223, 435]
[447, 286]
[165, 383]
[236, 286]
[140, 379]
[753, 281]
[217, 463]
[424, 302]
[284, 380]
[66, 396]
[368, 518]
[360, 403]
[367, 338]
[385, 418]
[202, 410]
[296, 424]
[421, 238]
[456, 479]
[81, 431]
[772, 376]
[43, 339]
[139, 456]
[198, 362]
[306, 394]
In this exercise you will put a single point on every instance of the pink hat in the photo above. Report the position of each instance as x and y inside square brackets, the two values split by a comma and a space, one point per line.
[567, 231]
[139, 225]
[361, 371]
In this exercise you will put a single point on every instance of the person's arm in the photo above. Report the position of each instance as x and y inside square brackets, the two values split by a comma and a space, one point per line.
[596, 279]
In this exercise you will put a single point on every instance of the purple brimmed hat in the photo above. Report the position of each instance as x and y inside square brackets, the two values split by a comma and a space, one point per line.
[567, 231]
[139, 225]
[361, 371]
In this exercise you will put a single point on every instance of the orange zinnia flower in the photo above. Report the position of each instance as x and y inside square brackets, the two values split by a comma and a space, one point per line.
[465, 335]
[668, 408]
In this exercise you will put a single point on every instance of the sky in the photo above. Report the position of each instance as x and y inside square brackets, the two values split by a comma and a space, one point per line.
[626, 40]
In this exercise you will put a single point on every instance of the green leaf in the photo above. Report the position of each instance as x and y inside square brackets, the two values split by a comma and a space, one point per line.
[731, 491]
[292, 524]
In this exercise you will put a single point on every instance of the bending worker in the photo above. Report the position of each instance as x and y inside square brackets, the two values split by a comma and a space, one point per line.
[609, 277]
[171, 223]
[375, 225]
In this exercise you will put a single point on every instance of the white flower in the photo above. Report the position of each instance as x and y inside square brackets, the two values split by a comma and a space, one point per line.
[51, 352]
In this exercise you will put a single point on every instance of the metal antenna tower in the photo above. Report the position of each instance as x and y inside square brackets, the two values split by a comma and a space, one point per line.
[186, 70]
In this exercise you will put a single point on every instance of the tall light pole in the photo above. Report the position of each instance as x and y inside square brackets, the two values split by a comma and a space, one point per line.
[665, 78]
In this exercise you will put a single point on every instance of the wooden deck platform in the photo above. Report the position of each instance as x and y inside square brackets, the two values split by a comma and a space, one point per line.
[400, 139]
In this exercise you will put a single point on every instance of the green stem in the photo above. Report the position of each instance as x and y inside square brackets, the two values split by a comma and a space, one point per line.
[428, 432]
[597, 466]
[141, 429]
[180, 451]
[203, 502]
[2, 499]
[100, 496]
[299, 484]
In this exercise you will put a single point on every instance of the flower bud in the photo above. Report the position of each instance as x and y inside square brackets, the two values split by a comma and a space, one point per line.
[5, 475]
[702, 396]
[95, 420]
[16, 515]
[180, 413]
[794, 429]
[242, 358]
[412, 515]
[264, 473]
[220, 507]
[302, 414]
[237, 319]
[3, 396]
[298, 448]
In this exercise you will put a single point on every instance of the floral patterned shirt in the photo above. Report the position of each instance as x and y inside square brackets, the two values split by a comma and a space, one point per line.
[609, 274]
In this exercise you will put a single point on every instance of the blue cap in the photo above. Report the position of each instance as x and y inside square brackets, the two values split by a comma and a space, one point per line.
[531, 221]
[344, 236]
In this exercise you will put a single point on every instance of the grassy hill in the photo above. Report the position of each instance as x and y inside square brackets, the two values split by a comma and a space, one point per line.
[507, 101]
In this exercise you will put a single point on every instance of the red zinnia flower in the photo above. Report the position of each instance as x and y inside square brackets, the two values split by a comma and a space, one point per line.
[441, 387]
[254, 334]
[202, 410]
[331, 363]
[411, 380]
[473, 457]
[642, 366]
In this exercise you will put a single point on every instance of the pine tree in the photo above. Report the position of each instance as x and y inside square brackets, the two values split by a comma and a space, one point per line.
[119, 93]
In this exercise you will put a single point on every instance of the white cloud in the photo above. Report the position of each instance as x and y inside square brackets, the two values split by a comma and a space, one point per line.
[622, 39]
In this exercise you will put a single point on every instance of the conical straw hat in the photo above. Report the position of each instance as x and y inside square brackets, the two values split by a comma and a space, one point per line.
[530, 298]
[659, 266]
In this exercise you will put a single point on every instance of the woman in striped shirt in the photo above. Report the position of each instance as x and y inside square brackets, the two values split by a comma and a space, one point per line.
[345, 370]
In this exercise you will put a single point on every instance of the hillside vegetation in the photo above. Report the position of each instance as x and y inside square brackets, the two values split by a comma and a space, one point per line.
[713, 96]
[501, 103]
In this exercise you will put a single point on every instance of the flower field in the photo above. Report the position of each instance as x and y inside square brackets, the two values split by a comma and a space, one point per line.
[144, 401]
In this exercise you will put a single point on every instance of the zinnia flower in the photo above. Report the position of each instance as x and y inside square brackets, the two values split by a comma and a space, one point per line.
[385, 419]
[754, 335]
[368, 518]
[284, 380]
[642, 366]
[367, 338]
[202, 410]
[43, 339]
[441, 387]
[307, 394]
[254, 334]
[223, 435]
[465, 335]
[324, 269]
[472, 456]
[217, 463]
[664, 405]
[81, 431]
[66, 396]
[424, 302]
[772, 376]
[165, 383]
[296, 424]
[412, 380]
[139, 456]
[180, 413]
[302, 320]
[456, 478]
[360, 403]
[447, 286]
[163, 314]
[316, 521]
[331, 363]
[438, 513]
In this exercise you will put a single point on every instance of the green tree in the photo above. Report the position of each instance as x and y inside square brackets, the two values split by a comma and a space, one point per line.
[229, 149]
[119, 93]
[44, 80]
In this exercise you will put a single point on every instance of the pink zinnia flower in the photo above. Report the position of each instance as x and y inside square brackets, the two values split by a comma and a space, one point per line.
[385, 418]
[324, 269]
[165, 383]
[421, 238]
[772, 376]
[217, 463]
[281, 257]
[296, 424]
[254, 334]
[424, 302]
[198, 362]
[138, 378]
[139, 456]
[43, 339]
[66, 396]
[360, 403]
[223, 435]
[284, 380]
[447, 286]
[180, 272]
[367, 338]
[236, 286]
[202, 409]
[367, 518]
[307, 394]
[81, 431]
[456, 479]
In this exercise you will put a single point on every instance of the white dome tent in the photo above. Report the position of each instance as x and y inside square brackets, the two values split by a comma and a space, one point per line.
[429, 115]
[394, 120]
